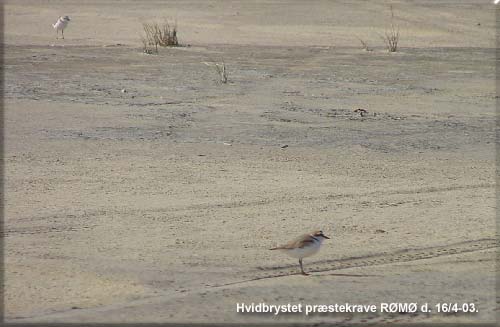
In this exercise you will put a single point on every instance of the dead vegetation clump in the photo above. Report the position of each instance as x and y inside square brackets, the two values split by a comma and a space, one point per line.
[158, 34]
[221, 70]
[364, 45]
[391, 37]
[146, 47]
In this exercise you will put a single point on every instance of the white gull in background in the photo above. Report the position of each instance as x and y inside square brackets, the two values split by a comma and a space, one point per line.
[60, 25]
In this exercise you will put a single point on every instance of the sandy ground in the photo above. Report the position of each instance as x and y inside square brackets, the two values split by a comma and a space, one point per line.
[158, 203]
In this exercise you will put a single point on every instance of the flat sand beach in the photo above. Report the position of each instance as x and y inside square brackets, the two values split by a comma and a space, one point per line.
[139, 188]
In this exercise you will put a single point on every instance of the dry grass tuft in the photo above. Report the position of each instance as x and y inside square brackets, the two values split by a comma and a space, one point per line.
[221, 70]
[158, 34]
[391, 37]
[145, 46]
[365, 45]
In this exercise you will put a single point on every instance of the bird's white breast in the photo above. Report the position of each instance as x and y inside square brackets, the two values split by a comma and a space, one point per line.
[305, 251]
[60, 24]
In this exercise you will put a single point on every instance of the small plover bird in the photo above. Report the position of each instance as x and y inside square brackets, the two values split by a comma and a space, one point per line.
[61, 24]
[303, 246]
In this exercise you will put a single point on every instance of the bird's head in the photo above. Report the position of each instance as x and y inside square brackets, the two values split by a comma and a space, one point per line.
[66, 18]
[319, 234]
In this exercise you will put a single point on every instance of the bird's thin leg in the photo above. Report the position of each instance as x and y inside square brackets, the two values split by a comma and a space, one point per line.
[62, 32]
[57, 34]
[302, 269]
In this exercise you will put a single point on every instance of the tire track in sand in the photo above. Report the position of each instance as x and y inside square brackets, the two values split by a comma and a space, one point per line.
[262, 273]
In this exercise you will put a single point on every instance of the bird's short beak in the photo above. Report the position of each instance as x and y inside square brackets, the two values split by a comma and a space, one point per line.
[326, 237]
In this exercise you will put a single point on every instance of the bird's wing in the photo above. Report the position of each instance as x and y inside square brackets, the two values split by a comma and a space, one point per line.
[299, 242]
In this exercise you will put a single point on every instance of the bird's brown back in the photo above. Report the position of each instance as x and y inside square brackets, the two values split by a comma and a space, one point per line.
[299, 242]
